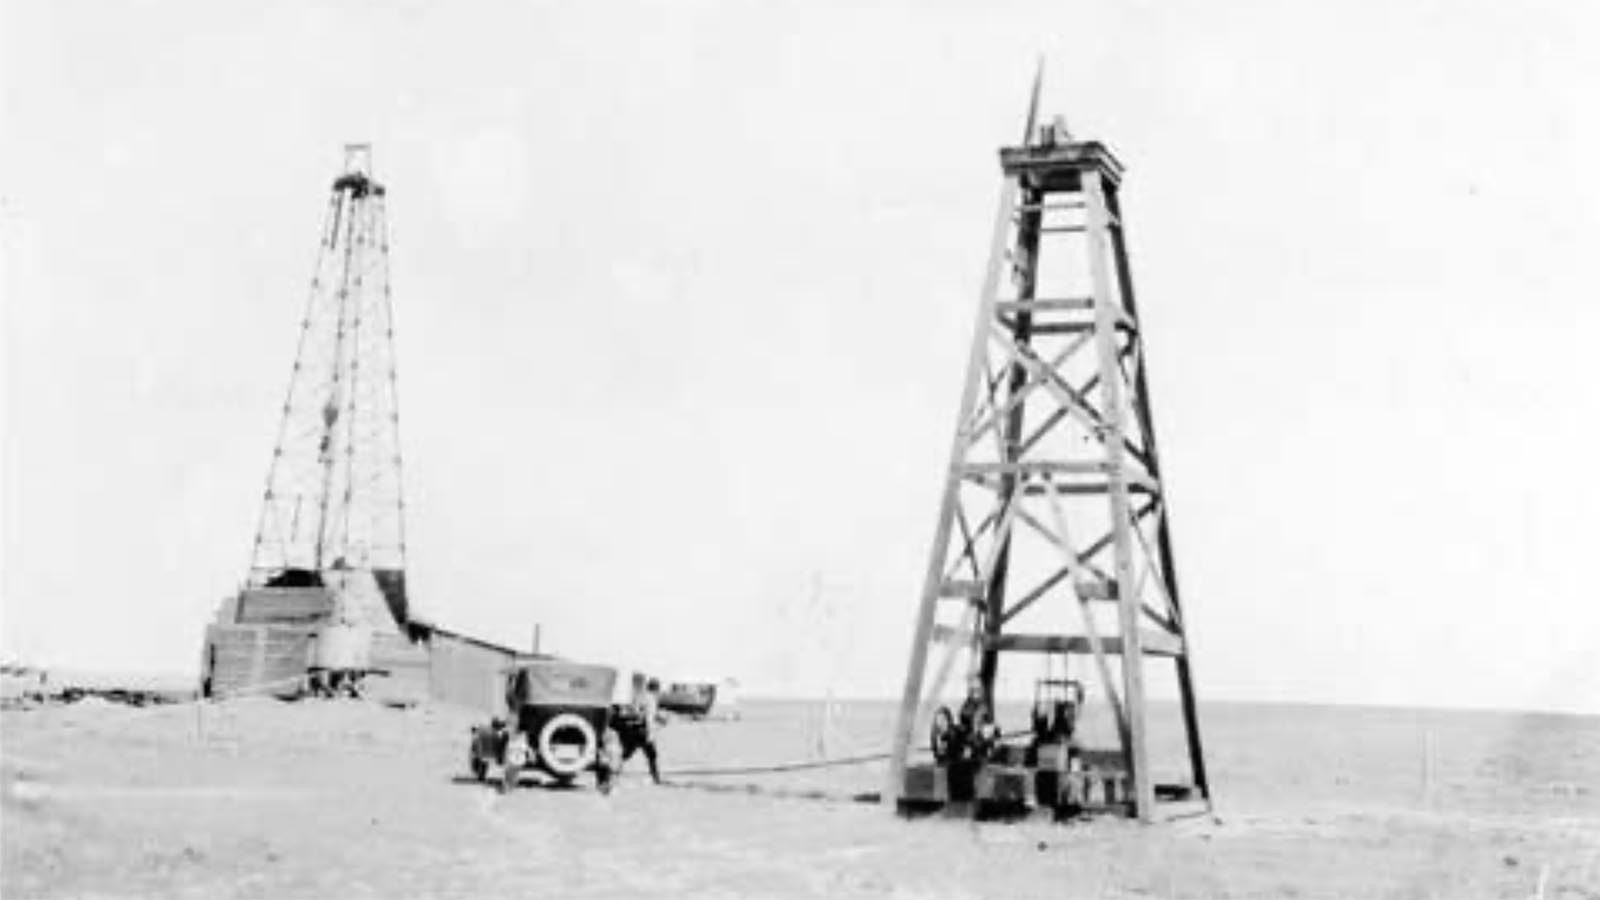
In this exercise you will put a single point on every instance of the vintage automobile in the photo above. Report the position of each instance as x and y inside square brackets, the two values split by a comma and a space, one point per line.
[698, 699]
[558, 714]
[689, 698]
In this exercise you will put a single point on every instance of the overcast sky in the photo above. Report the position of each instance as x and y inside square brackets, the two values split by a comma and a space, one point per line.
[684, 292]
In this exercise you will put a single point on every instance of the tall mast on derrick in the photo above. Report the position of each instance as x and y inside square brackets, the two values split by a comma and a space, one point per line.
[333, 500]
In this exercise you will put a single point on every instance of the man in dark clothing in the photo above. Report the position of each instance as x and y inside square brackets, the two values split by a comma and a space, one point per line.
[635, 726]
[975, 723]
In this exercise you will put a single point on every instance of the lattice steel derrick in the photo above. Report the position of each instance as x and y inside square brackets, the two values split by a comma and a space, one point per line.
[333, 499]
[1053, 534]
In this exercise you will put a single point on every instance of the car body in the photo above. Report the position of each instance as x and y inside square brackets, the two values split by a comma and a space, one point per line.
[557, 717]
[689, 698]
[703, 698]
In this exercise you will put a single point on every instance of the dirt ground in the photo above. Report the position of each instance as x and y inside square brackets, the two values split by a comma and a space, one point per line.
[257, 798]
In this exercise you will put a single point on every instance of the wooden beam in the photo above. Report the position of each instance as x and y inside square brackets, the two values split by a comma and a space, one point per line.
[1039, 490]
[1028, 519]
[1033, 102]
[1091, 633]
[911, 696]
[1074, 403]
[1049, 205]
[1053, 328]
[981, 472]
[1150, 642]
[1128, 614]
[996, 412]
[1092, 417]
[961, 588]
[1141, 405]
[1044, 587]
[969, 551]
[1034, 467]
[1028, 385]
[1154, 643]
[1045, 427]
[1002, 534]
[962, 637]
[1103, 589]
[1085, 559]
[1152, 566]
[1045, 304]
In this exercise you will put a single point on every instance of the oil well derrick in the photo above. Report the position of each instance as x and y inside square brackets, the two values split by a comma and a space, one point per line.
[327, 569]
[333, 501]
[1053, 538]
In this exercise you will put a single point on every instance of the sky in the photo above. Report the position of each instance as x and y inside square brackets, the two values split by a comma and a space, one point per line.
[684, 294]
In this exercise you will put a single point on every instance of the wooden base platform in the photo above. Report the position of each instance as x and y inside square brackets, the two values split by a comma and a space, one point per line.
[1007, 790]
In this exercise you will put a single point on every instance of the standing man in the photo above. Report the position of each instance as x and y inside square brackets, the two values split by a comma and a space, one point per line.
[635, 725]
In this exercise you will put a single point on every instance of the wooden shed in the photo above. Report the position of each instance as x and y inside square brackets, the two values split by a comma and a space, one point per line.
[465, 670]
[260, 640]
[264, 640]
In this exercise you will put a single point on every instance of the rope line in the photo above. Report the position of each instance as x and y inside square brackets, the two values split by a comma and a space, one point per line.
[780, 767]
[778, 793]
[812, 764]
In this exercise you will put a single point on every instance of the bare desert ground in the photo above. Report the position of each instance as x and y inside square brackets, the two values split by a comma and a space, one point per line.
[258, 798]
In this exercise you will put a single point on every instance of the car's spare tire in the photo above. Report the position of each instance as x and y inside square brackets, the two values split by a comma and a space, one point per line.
[567, 744]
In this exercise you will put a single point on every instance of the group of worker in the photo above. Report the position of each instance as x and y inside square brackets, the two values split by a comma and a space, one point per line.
[972, 736]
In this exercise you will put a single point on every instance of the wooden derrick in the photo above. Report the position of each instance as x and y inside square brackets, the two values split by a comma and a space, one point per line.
[1053, 535]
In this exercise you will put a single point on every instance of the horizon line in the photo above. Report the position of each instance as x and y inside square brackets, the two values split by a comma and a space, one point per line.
[103, 676]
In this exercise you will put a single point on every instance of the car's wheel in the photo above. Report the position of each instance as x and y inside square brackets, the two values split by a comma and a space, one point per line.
[567, 745]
